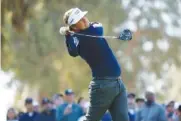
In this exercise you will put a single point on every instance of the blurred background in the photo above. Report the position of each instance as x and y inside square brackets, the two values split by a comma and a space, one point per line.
[35, 60]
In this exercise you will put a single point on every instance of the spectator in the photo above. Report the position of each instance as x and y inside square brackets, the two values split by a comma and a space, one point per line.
[151, 111]
[131, 100]
[47, 114]
[57, 100]
[11, 115]
[179, 112]
[170, 112]
[69, 111]
[139, 103]
[31, 114]
[131, 106]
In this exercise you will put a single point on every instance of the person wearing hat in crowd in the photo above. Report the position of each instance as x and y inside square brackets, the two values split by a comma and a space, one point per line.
[106, 90]
[151, 111]
[131, 106]
[30, 114]
[131, 101]
[47, 114]
[57, 100]
[139, 103]
[69, 111]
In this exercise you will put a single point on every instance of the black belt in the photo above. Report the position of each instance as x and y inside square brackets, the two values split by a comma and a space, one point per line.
[106, 78]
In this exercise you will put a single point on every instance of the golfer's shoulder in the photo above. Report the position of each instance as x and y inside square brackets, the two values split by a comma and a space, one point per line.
[96, 24]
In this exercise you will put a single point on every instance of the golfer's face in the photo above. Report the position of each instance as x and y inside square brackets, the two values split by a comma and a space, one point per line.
[82, 24]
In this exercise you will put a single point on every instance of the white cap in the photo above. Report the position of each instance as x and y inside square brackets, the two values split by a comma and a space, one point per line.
[75, 15]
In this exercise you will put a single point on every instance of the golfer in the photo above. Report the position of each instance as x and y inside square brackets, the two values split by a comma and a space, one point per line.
[106, 90]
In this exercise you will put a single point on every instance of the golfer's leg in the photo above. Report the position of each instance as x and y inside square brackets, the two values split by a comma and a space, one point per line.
[101, 96]
[119, 109]
[95, 113]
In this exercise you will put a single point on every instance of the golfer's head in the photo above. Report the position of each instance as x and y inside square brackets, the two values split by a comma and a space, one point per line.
[75, 19]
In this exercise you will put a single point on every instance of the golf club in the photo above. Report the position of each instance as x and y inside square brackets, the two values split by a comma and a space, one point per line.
[124, 35]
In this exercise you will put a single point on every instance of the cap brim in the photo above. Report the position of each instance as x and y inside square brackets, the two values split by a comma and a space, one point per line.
[79, 18]
[69, 93]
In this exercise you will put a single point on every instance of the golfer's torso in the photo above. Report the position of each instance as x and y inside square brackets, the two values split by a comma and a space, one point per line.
[97, 53]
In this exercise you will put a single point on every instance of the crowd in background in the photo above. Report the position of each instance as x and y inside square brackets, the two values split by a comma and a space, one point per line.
[65, 108]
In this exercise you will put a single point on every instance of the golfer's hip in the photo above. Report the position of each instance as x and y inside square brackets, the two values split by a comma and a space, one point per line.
[106, 82]
[103, 91]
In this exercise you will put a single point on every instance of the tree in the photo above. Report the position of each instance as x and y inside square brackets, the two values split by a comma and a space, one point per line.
[33, 48]
[156, 45]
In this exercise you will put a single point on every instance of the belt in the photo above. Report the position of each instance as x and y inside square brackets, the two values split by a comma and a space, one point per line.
[106, 78]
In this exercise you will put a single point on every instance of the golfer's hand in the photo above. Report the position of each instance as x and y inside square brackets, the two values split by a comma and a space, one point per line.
[64, 30]
[68, 110]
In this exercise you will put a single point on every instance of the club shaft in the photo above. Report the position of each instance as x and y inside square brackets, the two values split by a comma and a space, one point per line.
[108, 37]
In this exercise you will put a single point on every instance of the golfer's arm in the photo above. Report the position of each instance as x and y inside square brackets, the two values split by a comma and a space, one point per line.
[71, 46]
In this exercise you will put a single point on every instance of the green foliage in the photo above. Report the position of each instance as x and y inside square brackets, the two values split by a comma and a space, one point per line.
[34, 50]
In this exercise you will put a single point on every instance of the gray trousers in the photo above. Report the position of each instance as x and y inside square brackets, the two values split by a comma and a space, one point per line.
[107, 95]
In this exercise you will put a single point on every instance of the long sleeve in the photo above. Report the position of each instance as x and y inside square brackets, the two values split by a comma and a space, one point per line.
[72, 44]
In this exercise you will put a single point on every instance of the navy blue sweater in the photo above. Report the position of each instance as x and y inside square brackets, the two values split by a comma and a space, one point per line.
[46, 116]
[95, 51]
[27, 117]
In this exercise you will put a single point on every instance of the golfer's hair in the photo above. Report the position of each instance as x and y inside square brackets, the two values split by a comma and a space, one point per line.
[66, 16]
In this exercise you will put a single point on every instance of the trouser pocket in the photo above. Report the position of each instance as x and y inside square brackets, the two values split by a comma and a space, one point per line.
[95, 94]
[102, 94]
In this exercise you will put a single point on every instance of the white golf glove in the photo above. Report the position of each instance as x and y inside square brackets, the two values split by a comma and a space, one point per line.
[64, 30]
